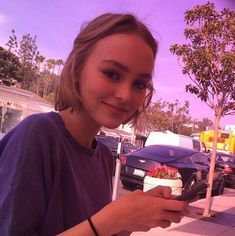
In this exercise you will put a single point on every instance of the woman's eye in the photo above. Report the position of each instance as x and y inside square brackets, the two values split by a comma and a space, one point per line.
[140, 84]
[112, 75]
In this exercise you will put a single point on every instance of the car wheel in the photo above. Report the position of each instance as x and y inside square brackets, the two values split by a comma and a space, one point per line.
[189, 184]
[220, 188]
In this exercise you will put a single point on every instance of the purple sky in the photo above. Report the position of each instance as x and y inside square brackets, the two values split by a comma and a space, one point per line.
[56, 23]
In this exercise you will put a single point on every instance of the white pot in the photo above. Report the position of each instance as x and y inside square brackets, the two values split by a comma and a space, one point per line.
[175, 184]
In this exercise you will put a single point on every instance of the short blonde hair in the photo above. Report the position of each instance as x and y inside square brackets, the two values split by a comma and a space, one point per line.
[67, 89]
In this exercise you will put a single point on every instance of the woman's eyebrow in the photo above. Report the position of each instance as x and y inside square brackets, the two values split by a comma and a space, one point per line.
[126, 69]
[117, 64]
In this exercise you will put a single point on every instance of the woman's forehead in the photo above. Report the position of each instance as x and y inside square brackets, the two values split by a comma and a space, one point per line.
[126, 49]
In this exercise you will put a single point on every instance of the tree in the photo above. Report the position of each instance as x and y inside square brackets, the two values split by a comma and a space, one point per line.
[179, 116]
[204, 124]
[49, 78]
[39, 59]
[162, 116]
[10, 68]
[27, 53]
[158, 119]
[59, 63]
[22, 62]
[12, 43]
[209, 61]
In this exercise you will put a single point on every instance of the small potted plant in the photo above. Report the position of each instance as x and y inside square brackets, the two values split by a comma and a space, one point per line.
[165, 176]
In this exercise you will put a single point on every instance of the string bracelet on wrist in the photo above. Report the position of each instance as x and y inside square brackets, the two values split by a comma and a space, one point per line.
[93, 227]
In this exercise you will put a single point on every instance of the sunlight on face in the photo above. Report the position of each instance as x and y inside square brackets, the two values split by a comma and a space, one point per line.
[114, 79]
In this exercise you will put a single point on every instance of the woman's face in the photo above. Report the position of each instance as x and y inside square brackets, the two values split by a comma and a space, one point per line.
[114, 79]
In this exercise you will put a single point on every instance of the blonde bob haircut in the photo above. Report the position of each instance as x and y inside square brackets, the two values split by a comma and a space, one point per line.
[67, 89]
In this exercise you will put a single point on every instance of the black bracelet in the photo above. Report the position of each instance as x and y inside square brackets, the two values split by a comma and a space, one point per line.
[92, 227]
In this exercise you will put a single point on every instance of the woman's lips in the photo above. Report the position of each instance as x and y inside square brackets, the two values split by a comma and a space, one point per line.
[119, 109]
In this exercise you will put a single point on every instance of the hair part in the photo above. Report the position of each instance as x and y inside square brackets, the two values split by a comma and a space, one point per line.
[67, 89]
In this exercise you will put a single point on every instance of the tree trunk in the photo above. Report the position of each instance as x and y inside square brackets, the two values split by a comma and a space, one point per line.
[208, 202]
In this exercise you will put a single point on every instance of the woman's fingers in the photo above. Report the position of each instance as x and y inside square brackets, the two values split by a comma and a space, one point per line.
[172, 216]
[164, 224]
[160, 191]
[174, 205]
[147, 210]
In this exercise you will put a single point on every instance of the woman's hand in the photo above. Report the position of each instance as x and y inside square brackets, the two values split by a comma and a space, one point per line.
[137, 211]
[160, 191]
[141, 211]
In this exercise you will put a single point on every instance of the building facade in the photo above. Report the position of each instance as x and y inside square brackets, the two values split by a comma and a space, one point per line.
[16, 104]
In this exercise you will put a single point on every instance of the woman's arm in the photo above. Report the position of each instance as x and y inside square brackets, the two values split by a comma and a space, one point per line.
[137, 211]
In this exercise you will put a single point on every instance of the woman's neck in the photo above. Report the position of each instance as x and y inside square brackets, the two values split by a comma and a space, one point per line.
[81, 128]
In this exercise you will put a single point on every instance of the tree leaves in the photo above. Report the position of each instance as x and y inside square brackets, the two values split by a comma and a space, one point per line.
[209, 56]
[10, 68]
[22, 62]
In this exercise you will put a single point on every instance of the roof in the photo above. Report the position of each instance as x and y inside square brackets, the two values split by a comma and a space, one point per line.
[20, 99]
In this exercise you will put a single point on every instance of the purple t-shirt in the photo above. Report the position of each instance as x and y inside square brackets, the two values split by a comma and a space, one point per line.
[48, 181]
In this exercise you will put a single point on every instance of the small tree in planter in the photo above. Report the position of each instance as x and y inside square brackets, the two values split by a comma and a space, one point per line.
[209, 61]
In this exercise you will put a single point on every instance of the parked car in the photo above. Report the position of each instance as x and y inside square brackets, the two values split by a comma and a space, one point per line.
[112, 144]
[128, 148]
[179, 140]
[227, 163]
[191, 164]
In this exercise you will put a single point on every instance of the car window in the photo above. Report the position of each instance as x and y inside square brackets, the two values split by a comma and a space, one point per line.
[195, 158]
[203, 158]
[223, 158]
[226, 158]
[168, 153]
[204, 147]
[196, 145]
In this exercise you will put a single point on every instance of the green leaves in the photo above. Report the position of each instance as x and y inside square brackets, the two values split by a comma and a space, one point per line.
[208, 58]
[22, 62]
[10, 67]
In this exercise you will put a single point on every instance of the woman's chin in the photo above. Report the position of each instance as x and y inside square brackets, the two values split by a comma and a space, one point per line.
[111, 126]
[113, 122]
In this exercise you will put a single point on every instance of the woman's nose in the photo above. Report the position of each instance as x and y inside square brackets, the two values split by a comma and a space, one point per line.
[124, 92]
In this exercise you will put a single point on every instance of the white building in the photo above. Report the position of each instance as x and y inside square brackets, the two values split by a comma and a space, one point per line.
[16, 104]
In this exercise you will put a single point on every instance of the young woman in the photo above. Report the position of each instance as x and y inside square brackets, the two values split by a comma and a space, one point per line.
[55, 178]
